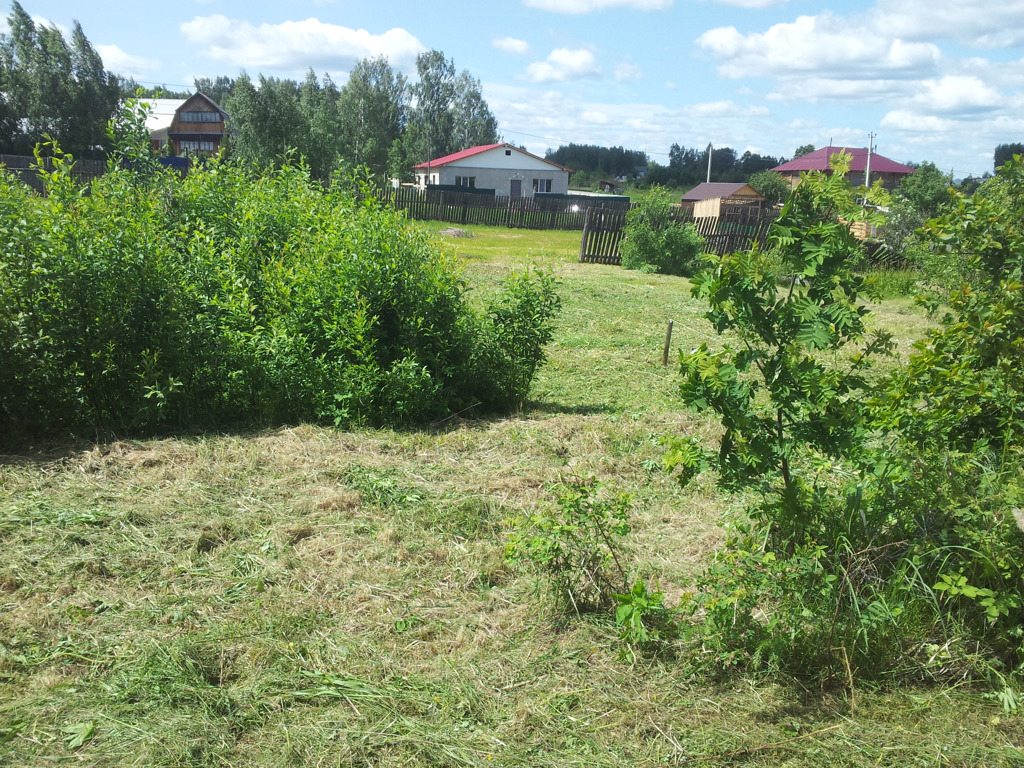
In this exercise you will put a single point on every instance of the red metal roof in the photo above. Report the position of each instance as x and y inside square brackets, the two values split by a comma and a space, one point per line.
[818, 161]
[478, 150]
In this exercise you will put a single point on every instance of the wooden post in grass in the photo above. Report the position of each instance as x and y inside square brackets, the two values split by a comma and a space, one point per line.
[668, 340]
[586, 231]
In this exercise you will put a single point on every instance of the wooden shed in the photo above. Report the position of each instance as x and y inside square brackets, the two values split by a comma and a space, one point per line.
[708, 200]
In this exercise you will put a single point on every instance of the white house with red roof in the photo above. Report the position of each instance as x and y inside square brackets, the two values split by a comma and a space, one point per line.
[506, 169]
[889, 171]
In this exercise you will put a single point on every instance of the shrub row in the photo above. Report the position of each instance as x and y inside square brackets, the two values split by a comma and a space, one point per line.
[243, 296]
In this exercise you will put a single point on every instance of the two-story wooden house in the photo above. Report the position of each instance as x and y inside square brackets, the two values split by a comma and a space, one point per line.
[192, 126]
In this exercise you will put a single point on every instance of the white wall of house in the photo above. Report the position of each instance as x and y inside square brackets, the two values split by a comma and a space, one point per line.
[499, 169]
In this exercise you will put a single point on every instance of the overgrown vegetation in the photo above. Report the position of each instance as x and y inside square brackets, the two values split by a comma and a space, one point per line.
[311, 595]
[653, 242]
[243, 296]
[884, 541]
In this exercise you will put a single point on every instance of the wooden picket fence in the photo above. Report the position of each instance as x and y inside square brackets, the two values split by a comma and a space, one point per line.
[24, 167]
[736, 229]
[492, 210]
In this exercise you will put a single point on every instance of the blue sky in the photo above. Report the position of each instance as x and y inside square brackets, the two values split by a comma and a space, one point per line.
[938, 80]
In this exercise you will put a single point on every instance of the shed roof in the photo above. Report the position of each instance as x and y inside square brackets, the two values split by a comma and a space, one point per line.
[480, 150]
[715, 189]
[818, 161]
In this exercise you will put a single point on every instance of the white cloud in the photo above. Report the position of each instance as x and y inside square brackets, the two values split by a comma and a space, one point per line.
[511, 45]
[905, 120]
[825, 45]
[586, 6]
[628, 72]
[975, 22]
[723, 109]
[958, 94]
[596, 116]
[670, 86]
[121, 63]
[752, 3]
[564, 64]
[297, 45]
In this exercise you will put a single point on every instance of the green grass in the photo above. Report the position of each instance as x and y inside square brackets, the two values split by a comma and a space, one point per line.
[308, 596]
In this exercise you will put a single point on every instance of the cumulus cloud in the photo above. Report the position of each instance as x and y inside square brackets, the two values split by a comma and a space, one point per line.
[511, 45]
[297, 45]
[824, 45]
[564, 64]
[126, 64]
[586, 6]
[974, 22]
[958, 95]
[905, 120]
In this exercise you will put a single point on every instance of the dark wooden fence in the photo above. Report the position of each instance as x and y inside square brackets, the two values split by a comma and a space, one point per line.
[496, 210]
[24, 167]
[737, 228]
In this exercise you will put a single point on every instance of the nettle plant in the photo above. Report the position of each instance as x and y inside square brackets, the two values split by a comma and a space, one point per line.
[785, 393]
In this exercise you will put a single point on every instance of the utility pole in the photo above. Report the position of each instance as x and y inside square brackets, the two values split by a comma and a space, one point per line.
[867, 168]
[710, 150]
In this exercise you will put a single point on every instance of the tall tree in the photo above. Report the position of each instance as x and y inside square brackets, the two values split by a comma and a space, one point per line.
[474, 123]
[1004, 153]
[318, 104]
[218, 88]
[804, 149]
[449, 112]
[372, 111]
[431, 131]
[268, 121]
[51, 88]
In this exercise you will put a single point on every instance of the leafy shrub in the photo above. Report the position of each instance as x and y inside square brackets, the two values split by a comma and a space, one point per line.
[652, 242]
[884, 530]
[577, 545]
[243, 296]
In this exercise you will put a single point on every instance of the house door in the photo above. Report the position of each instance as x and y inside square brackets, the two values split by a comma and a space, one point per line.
[515, 189]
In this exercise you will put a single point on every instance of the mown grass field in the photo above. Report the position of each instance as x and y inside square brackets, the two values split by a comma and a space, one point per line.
[313, 597]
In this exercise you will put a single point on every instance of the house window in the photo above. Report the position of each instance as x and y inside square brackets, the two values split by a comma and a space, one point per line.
[542, 185]
[199, 117]
[465, 181]
[508, 153]
[198, 146]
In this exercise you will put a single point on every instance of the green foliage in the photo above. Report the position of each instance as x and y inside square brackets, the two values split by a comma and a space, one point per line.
[52, 89]
[577, 544]
[1004, 153]
[770, 185]
[780, 397]
[643, 618]
[890, 530]
[243, 297]
[803, 149]
[653, 242]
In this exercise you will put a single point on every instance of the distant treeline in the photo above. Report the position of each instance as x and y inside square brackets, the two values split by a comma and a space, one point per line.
[604, 161]
[686, 166]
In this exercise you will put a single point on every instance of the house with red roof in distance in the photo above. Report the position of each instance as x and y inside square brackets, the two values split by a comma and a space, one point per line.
[889, 171]
[504, 168]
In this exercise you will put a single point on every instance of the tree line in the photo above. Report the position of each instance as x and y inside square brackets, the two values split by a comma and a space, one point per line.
[377, 120]
[53, 87]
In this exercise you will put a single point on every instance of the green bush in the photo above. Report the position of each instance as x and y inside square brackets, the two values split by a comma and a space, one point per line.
[885, 540]
[243, 296]
[652, 242]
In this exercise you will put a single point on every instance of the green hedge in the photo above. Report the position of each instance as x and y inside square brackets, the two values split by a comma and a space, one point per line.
[241, 296]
